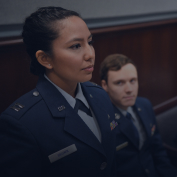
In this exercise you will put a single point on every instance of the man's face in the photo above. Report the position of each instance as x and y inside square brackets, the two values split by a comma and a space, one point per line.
[122, 86]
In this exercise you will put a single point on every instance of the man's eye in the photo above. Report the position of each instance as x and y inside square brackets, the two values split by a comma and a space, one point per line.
[132, 81]
[91, 42]
[76, 46]
[119, 83]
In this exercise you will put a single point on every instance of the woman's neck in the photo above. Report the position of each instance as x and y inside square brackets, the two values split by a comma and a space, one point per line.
[66, 85]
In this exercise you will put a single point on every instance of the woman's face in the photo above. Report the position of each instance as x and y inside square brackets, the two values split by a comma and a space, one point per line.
[73, 54]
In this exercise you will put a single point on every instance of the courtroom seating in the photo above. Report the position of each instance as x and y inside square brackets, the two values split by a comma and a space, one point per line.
[167, 125]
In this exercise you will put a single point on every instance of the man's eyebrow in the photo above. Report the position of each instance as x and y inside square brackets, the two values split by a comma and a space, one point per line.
[79, 39]
[119, 80]
[134, 78]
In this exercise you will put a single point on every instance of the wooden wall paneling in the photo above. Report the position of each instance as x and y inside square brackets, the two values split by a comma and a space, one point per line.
[15, 78]
[151, 49]
[152, 46]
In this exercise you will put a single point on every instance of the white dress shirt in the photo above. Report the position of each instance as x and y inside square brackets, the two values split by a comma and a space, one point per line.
[91, 122]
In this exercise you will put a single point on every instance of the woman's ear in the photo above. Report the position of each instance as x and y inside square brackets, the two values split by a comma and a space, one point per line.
[43, 59]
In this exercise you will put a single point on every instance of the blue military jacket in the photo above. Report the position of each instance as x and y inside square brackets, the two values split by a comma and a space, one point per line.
[151, 160]
[42, 124]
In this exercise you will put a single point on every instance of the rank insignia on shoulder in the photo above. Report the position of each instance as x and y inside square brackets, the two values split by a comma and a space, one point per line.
[113, 124]
[17, 107]
[153, 129]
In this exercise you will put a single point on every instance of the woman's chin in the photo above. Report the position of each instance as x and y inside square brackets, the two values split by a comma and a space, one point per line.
[88, 78]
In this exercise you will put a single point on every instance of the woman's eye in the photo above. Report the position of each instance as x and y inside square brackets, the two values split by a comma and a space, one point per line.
[91, 42]
[76, 46]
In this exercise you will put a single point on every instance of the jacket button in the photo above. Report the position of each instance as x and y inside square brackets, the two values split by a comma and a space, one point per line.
[35, 93]
[147, 171]
[103, 166]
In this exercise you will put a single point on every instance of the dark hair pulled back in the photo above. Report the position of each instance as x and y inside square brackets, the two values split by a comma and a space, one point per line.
[40, 30]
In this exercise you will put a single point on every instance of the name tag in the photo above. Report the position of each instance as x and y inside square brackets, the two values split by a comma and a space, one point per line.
[62, 153]
[121, 146]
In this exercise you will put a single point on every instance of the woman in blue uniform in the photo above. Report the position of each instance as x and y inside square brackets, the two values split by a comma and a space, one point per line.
[62, 127]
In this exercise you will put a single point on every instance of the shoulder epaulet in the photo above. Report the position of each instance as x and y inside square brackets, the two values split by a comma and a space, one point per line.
[92, 84]
[23, 104]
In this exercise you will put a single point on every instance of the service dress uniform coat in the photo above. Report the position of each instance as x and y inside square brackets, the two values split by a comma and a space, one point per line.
[41, 135]
[151, 160]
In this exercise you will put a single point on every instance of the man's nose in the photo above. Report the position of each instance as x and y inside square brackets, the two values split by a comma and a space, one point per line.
[128, 87]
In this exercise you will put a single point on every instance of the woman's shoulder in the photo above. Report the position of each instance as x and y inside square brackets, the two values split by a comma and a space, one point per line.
[92, 84]
[94, 88]
[23, 104]
[96, 91]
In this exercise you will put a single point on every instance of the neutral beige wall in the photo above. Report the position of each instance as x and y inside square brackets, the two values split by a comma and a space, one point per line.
[14, 11]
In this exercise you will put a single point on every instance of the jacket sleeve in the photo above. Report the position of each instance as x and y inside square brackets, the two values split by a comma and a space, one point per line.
[161, 160]
[19, 153]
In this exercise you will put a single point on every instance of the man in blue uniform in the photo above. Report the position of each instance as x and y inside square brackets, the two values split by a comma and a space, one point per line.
[139, 150]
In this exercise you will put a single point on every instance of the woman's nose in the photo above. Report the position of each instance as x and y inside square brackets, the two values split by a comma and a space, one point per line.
[89, 53]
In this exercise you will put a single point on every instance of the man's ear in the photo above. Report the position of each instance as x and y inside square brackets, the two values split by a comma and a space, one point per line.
[104, 85]
[43, 59]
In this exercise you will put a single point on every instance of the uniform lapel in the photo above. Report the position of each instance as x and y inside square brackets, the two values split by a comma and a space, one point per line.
[60, 108]
[101, 115]
[143, 117]
[126, 127]
[76, 127]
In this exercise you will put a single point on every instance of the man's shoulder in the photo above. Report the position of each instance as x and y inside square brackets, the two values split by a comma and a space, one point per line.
[143, 100]
[143, 104]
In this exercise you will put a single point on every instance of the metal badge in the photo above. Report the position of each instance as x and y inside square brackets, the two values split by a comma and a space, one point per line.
[35, 93]
[91, 96]
[117, 116]
[62, 153]
[61, 108]
[108, 116]
[139, 109]
[119, 147]
[17, 107]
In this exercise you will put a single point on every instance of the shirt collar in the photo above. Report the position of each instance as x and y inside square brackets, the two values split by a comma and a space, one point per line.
[129, 109]
[69, 98]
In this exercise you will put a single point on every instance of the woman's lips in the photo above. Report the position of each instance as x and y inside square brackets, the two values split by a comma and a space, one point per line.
[89, 68]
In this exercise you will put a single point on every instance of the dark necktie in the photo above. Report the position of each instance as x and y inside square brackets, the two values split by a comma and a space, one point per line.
[129, 117]
[80, 105]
